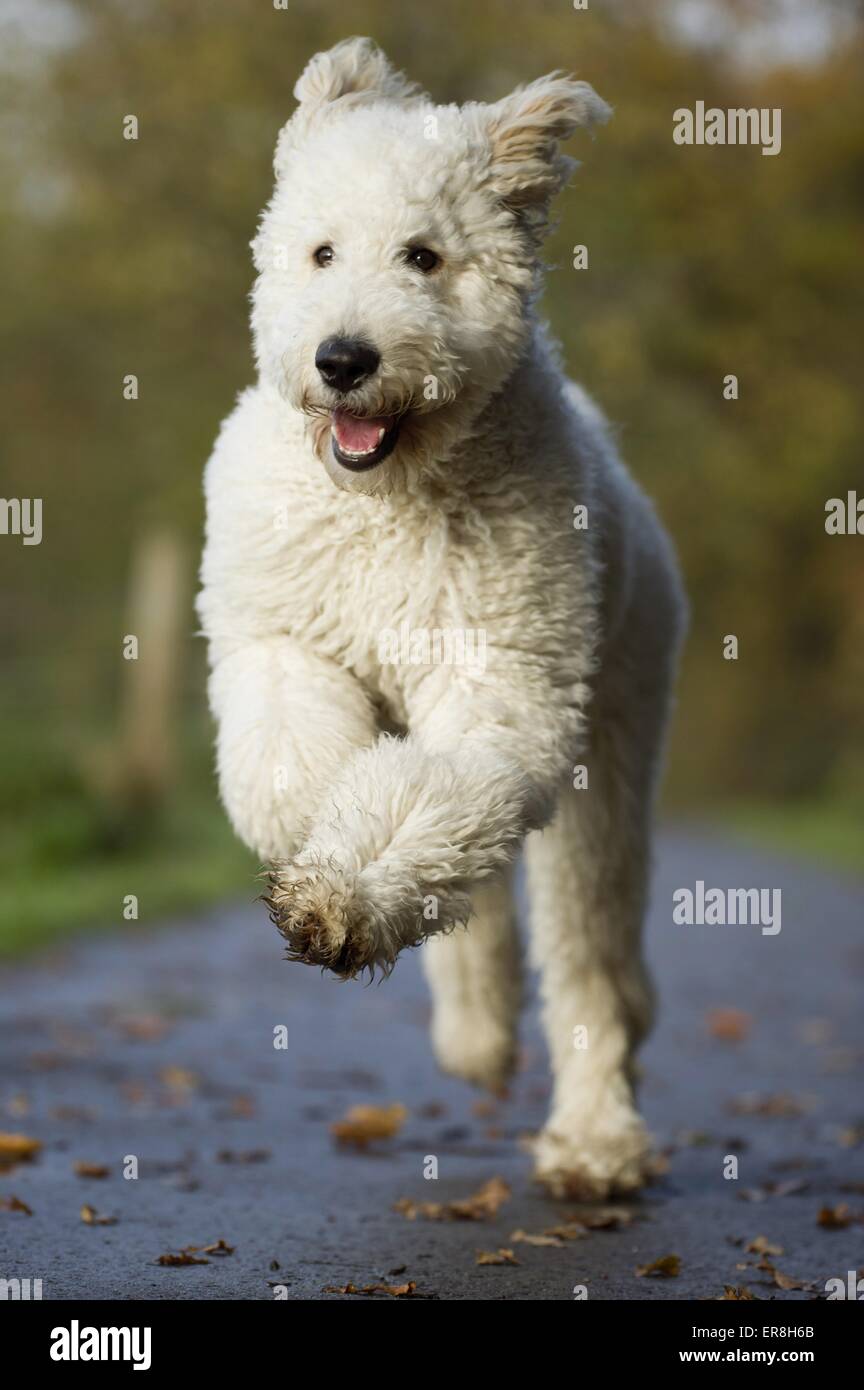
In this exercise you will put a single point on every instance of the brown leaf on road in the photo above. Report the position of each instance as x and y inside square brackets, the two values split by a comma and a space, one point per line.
[243, 1155]
[74, 1114]
[784, 1281]
[91, 1170]
[667, 1267]
[142, 1027]
[728, 1024]
[545, 1238]
[481, 1206]
[185, 1257]
[605, 1218]
[773, 1189]
[15, 1204]
[179, 1079]
[782, 1105]
[17, 1148]
[761, 1245]
[567, 1230]
[835, 1218]
[394, 1290]
[219, 1247]
[496, 1257]
[364, 1124]
[91, 1217]
[738, 1293]
[241, 1108]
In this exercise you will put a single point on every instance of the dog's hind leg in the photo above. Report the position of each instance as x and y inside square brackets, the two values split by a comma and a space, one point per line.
[474, 974]
[587, 875]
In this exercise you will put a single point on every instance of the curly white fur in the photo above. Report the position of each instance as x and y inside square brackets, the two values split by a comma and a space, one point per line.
[390, 798]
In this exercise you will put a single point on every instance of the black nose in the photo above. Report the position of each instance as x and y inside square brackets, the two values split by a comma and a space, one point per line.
[345, 362]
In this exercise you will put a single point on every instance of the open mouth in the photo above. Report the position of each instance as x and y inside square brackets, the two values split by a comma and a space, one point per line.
[358, 443]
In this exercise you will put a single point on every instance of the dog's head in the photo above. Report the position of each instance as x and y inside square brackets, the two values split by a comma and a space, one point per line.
[398, 256]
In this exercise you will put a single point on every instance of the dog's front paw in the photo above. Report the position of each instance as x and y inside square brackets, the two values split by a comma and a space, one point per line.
[593, 1157]
[341, 920]
[319, 911]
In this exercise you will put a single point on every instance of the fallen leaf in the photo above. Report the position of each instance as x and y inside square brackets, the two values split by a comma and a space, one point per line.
[786, 1281]
[185, 1257]
[91, 1170]
[605, 1218]
[366, 1123]
[241, 1108]
[773, 1189]
[134, 1091]
[394, 1290]
[738, 1293]
[243, 1156]
[782, 1105]
[835, 1218]
[525, 1238]
[496, 1257]
[667, 1267]
[567, 1230]
[17, 1148]
[693, 1139]
[179, 1079]
[218, 1248]
[91, 1217]
[74, 1113]
[781, 1280]
[142, 1027]
[728, 1025]
[15, 1204]
[760, 1245]
[481, 1206]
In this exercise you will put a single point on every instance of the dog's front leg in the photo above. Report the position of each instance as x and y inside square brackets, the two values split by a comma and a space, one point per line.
[413, 822]
[289, 720]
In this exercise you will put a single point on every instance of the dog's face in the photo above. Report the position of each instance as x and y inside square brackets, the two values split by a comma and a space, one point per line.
[398, 257]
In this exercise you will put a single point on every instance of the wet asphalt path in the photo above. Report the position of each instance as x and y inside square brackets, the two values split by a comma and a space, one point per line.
[158, 1045]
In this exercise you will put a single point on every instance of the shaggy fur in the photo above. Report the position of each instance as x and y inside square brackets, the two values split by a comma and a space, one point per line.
[391, 797]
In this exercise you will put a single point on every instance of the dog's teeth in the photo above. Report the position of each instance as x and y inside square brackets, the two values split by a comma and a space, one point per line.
[361, 453]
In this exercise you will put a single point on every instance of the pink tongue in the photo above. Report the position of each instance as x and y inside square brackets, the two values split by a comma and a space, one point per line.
[357, 436]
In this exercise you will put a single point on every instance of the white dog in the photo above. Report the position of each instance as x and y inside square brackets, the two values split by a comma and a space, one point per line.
[413, 462]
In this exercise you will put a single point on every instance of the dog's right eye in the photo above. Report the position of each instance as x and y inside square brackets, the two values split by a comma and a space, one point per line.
[323, 256]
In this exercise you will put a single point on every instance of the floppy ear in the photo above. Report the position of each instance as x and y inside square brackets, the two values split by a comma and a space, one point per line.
[526, 167]
[354, 68]
[354, 65]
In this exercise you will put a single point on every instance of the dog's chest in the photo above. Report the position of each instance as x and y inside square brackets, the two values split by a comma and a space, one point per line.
[355, 578]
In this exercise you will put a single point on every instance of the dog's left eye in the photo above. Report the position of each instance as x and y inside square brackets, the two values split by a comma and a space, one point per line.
[422, 258]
